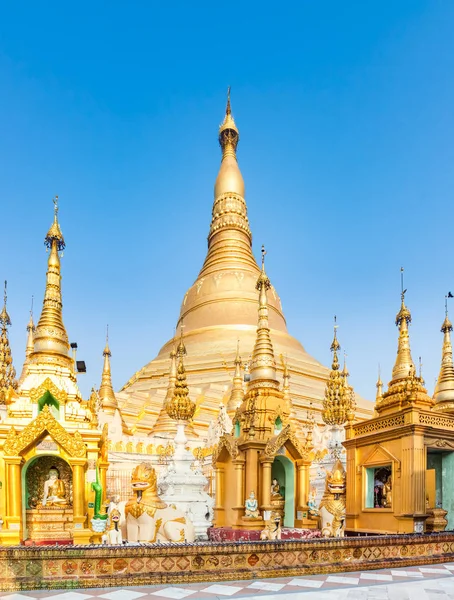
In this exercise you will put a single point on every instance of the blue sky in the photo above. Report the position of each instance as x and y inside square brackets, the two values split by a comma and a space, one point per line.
[346, 122]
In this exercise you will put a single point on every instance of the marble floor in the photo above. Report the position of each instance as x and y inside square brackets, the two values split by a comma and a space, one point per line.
[433, 582]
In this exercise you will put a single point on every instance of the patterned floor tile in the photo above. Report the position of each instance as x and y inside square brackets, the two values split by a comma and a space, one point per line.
[71, 596]
[343, 579]
[123, 594]
[433, 570]
[173, 592]
[222, 590]
[402, 573]
[310, 583]
[266, 586]
[16, 597]
[372, 575]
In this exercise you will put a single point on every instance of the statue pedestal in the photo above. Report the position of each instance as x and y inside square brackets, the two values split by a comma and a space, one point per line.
[278, 507]
[436, 520]
[252, 523]
[50, 524]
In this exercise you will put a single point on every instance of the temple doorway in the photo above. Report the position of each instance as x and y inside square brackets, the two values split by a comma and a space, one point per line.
[54, 519]
[283, 470]
[440, 483]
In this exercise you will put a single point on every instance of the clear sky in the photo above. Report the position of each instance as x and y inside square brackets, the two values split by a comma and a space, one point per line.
[345, 111]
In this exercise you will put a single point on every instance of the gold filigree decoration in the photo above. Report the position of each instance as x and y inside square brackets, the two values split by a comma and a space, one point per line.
[16, 443]
[286, 435]
[229, 443]
[48, 386]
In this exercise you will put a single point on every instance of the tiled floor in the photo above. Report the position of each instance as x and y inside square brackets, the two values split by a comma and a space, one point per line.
[411, 583]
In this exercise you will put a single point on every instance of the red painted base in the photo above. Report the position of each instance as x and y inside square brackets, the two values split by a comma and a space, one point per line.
[227, 534]
[48, 543]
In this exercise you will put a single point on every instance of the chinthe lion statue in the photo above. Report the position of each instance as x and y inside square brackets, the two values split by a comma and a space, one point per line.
[272, 529]
[332, 505]
[148, 518]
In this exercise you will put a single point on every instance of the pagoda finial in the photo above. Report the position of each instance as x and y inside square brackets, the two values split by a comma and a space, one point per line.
[51, 319]
[263, 364]
[404, 363]
[335, 346]
[106, 392]
[339, 400]
[54, 233]
[7, 370]
[228, 131]
[379, 386]
[444, 389]
[180, 407]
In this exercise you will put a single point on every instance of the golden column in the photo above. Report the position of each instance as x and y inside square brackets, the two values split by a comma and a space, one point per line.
[302, 467]
[219, 497]
[266, 464]
[239, 482]
[14, 496]
[78, 467]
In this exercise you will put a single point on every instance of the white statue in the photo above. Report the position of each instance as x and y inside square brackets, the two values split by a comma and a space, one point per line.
[252, 507]
[54, 490]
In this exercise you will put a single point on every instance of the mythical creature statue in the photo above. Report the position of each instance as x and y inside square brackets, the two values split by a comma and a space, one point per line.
[332, 505]
[113, 534]
[272, 529]
[148, 518]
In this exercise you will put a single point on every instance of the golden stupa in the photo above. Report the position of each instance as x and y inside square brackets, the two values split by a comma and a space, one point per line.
[219, 309]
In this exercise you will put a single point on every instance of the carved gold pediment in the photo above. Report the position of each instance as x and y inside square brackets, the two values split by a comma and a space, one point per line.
[288, 438]
[379, 456]
[16, 443]
[48, 386]
[229, 443]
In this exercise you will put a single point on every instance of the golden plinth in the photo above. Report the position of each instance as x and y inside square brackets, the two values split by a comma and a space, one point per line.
[49, 524]
[436, 520]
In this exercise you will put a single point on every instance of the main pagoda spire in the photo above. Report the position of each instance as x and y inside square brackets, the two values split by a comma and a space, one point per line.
[50, 339]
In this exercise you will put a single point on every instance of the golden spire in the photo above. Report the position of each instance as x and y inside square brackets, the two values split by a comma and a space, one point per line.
[237, 393]
[29, 348]
[404, 363]
[7, 370]
[339, 395]
[106, 393]
[444, 390]
[263, 364]
[50, 336]
[379, 386]
[30, 334]
[181, 407]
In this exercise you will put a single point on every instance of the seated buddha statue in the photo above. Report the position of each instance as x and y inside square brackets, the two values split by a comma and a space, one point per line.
[275, 490]
[54, 490]
[251, 507]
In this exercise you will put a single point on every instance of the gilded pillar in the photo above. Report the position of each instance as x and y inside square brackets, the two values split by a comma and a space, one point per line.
[251, 471]
[239, 483]
[303, 485]
[219, 513]
[14, 496]
[78, 466]
[266, 484]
